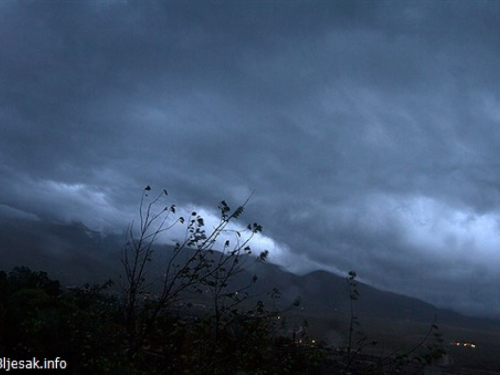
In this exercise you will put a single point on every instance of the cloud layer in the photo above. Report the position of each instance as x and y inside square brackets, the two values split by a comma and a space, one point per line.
[369, 130]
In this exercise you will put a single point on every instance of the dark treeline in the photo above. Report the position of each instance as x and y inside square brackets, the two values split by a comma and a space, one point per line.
[87, 324]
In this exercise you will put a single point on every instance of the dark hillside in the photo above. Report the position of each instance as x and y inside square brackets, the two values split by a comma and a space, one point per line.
[75, 255]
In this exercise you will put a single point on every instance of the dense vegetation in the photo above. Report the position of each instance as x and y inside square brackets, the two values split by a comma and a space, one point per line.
[87, 325]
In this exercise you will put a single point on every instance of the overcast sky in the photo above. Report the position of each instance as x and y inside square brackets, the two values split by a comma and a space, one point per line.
[368, 129]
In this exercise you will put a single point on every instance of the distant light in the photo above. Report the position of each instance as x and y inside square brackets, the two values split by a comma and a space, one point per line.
[464, 344]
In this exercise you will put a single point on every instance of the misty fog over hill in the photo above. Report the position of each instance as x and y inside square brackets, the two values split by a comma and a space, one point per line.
[75, 255]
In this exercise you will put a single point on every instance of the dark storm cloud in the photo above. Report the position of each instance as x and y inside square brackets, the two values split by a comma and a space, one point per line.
[368, 129]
